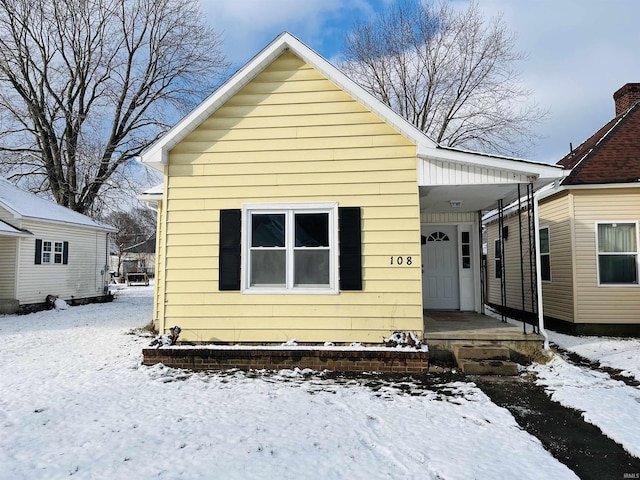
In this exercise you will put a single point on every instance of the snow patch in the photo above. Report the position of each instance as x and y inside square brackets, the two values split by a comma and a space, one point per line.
[60, 304]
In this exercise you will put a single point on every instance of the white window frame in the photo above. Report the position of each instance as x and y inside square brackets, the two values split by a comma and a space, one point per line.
[547, 254]
[636, 253]
[53, 253]
[47, 252]
[289, 209]
[58, 254]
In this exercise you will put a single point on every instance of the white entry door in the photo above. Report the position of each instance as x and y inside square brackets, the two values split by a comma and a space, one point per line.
[440, 284]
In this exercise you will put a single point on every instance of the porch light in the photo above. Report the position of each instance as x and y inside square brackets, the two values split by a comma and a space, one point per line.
[455, 203]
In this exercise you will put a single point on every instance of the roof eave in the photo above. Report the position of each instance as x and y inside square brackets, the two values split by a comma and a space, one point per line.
[538, 170]
[95, 226]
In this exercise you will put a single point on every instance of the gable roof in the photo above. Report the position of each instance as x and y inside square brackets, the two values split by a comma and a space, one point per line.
[610, 155]
[26, 205]
[157, 154]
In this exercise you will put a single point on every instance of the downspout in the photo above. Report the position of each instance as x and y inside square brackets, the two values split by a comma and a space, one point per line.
[536, 232]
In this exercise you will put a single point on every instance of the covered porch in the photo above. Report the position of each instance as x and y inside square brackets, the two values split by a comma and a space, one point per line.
[456, 189]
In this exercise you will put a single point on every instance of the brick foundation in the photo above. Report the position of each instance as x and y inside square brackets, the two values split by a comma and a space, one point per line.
[340, 360]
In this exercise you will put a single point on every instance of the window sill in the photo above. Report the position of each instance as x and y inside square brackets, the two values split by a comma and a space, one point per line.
[291, 291]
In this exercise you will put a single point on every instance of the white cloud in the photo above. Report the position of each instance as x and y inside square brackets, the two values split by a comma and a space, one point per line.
[580, 52]
[249, 25]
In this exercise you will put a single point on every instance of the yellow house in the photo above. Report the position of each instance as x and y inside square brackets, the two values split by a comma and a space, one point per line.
[589, 236]
[296, 205]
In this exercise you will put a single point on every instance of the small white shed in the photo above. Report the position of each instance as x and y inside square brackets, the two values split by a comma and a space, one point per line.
[47, 249]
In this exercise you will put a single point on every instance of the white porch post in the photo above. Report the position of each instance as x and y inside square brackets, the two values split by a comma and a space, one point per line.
[536, 227]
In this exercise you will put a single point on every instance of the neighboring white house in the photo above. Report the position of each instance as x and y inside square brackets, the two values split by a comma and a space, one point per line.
[47, 249]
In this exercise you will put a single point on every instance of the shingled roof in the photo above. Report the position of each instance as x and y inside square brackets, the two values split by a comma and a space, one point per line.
[611, 155]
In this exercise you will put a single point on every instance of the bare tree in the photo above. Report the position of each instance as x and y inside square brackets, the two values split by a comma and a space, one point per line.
[450, 73]
[136, 228]
[86, 85]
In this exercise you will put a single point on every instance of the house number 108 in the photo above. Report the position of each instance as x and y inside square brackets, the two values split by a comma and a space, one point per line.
[401, 260]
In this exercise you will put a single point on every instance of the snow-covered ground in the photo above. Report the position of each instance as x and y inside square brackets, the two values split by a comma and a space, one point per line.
[76, 401]
[611, 405]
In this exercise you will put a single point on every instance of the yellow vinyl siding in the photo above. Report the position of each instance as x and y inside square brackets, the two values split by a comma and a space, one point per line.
[291, 135]
[161, 262]
[610, 303]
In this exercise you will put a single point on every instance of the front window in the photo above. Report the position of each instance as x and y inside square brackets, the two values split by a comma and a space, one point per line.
[545, 255]
[291, 248]
[617, 253]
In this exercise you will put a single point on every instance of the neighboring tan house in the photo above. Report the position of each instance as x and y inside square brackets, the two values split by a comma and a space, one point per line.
[589, 235]
[296, 205]
[47, 249]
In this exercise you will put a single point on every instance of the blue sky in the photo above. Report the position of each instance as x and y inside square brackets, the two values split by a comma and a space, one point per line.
[579, 51]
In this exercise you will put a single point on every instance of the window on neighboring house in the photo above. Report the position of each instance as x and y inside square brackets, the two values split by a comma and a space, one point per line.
[617, 253]
[545, 255]
[57, 252]
[498, 258]
[291, 248]
[466, 249]
[48, 252]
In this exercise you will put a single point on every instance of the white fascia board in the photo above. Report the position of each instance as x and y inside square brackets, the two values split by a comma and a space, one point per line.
[7, 230]
[593, 186]
[95, 226]
[543, 192]
[157, 154]
[154, 198]
[536, 169]
[14, 213]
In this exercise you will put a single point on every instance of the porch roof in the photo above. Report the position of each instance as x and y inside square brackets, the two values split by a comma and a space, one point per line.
[7, 230]
[453, 180]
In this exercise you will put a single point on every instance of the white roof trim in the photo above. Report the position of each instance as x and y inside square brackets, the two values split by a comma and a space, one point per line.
[157, 154]
[7, 230]
[527, 167]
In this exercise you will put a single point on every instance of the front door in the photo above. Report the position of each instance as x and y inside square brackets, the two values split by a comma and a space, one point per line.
[440, 285]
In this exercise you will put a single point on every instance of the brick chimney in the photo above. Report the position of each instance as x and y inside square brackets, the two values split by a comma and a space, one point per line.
[626, 97]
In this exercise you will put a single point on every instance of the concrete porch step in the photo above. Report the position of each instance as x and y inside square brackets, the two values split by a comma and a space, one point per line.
[481, 352]
[484, 359]
[488, 367]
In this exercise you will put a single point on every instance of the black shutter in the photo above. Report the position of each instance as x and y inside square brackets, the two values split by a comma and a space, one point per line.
[350, 238]
[65, 253]
[229, 253]
[38, 258]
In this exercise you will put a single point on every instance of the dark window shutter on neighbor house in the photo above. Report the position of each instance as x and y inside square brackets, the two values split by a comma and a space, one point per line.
[229, 253]
[65, 253]
[350, 238]
[38, 258]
